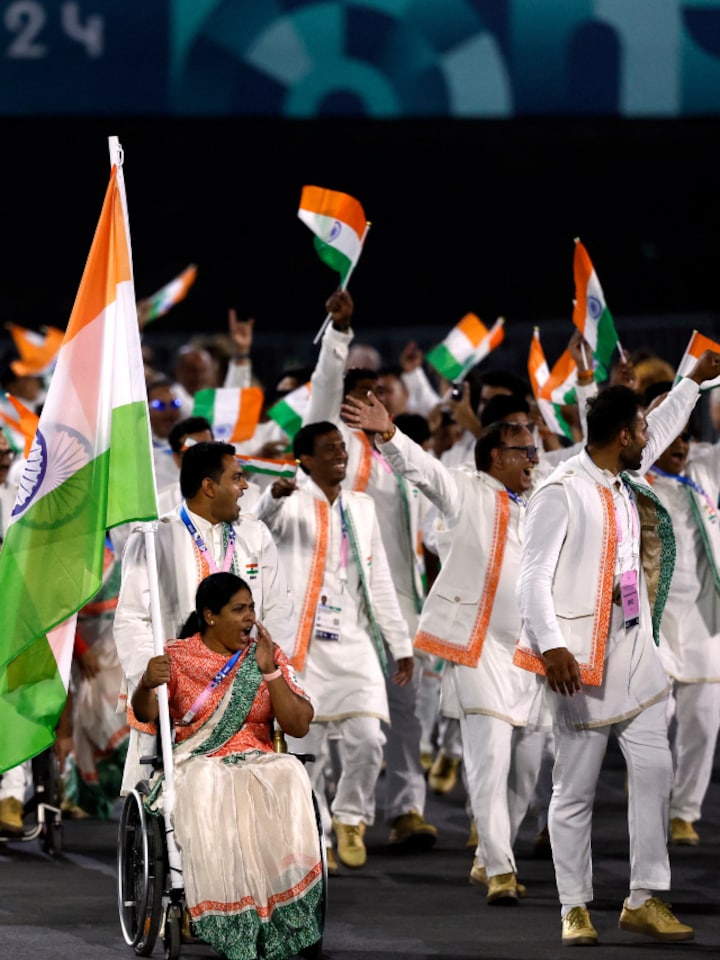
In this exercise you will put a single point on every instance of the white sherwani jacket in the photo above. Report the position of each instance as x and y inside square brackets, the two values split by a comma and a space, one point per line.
[343, 678]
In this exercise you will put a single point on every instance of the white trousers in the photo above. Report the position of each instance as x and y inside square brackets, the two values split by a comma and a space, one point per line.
[501, 766]
[405, 785]
[697, 720]
[427, 704]
[578, 759]
[360, 750]
[17, 783]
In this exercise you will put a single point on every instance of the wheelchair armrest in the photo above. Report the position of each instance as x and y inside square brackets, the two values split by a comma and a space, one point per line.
[156, 762]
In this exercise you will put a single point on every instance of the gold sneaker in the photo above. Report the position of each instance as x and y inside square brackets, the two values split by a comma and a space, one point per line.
[426, 759]
[577, 928]
[472, 840]
[655, 919]
[502, 889]
[443, 774]
[350, 846]
[412, 831]
[11, 816]
[683, 833]
[479, 878]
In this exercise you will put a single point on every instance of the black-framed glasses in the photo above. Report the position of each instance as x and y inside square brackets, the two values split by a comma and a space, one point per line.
[530, 451]
[166, 404]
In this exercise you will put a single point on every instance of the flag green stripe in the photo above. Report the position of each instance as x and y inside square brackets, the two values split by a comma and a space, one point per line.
[32, 697]
[607, 339]
[269, 472]
[285, 417]
[131, 494]
[444, 362]
[333, 257]
[204, 405]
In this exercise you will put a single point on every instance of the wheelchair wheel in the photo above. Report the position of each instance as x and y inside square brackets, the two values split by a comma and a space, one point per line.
[172, 935]
[52, 838]
[141, 873]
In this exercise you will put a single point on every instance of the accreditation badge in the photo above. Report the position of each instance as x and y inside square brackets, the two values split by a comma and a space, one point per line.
[327, 618]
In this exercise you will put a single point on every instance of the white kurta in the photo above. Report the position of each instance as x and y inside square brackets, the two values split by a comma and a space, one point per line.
[343, 678]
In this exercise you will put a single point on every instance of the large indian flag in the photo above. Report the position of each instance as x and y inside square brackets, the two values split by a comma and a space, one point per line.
[339, 224]
[590, 313]
[89, 469]
[288, 413]
[172, 293]
[233, 412]
[695, 349]
[539, 375]
[469, 342]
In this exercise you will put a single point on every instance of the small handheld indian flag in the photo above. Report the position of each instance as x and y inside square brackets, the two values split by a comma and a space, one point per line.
[18, 423]
[695, 349]
[539, 376]
[559, 388]
[288, 413]
[171, 294]
[465, 346]
[265, 467]
[591, 315]
[339, 224]
[233, 412]
[37, 350]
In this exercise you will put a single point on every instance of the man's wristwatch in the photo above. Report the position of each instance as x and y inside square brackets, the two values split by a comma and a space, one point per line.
[388, 434]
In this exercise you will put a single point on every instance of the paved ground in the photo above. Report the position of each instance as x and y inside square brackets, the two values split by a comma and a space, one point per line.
[400, 906]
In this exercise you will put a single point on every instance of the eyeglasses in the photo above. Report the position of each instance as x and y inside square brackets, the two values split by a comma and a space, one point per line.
[686, 436]
[530, 451]
[166, 404]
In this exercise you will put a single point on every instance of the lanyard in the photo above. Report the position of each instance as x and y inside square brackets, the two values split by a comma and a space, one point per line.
[344, 544]
[516, 497]
[200, 543]
[634, 527]
[203, 697]
[686, 481]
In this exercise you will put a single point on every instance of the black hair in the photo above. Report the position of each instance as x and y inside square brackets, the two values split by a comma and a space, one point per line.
[391, 370]
[613, 410]
[185, 427]
[200, 461]
[355, 374]
[504, 378]
[655, 390]
[501, 406]
[413, 426]
[213, 593]
[492, 438]
[159, 380]
[304, 442]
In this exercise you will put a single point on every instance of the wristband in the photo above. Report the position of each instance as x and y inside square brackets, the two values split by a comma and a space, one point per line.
[267, 677]
[585, 378]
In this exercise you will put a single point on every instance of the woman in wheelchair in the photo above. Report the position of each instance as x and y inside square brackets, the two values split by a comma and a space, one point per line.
[243, 818]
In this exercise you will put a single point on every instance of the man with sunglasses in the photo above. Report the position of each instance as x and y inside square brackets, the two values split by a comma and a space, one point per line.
[591, 591]
[471, 620]
[685, 478]
[164, 409]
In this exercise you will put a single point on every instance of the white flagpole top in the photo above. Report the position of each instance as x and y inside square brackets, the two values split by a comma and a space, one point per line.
[116, 152]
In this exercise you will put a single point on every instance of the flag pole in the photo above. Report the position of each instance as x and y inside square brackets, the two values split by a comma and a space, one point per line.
[148, 528]
[344, 284]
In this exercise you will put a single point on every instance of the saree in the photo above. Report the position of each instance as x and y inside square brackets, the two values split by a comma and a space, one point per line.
[244, 819]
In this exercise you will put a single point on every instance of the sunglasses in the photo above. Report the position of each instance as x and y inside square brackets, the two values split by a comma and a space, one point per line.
[530, 451]
[165, 405]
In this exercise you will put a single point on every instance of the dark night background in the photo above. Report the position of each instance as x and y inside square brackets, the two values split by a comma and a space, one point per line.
[467, 215]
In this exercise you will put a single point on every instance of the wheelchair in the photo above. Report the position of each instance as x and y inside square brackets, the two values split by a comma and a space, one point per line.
[44, 804]
[148, 904]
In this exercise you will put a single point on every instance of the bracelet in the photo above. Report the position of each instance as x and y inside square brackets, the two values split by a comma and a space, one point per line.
[585, 378]
[388, 434]
[267, 677]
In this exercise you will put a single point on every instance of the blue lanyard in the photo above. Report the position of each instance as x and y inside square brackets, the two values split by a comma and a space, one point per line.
[516, 497]
[686, 481]
[202, 698]
[200, 543]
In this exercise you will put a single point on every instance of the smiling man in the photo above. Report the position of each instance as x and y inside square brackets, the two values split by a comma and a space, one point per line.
[206, 533]
[471, 620]
[597, 561]
[329, 541]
